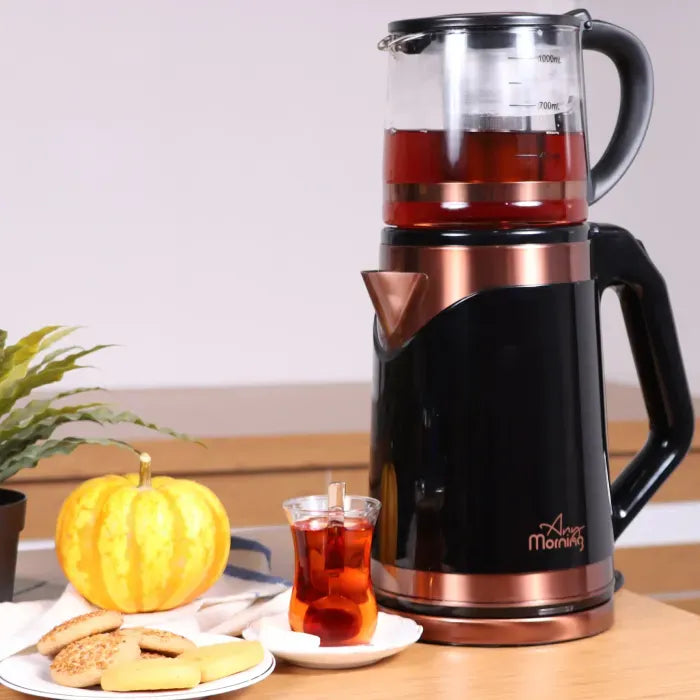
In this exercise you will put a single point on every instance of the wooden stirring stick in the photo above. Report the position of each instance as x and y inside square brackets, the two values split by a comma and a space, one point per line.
[335, 542]
[336, 502]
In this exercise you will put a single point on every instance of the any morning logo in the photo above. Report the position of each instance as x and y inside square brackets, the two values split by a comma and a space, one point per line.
[556, 535]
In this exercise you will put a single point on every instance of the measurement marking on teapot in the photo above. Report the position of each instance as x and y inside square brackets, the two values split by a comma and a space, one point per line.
[540, 58]
[545, 104]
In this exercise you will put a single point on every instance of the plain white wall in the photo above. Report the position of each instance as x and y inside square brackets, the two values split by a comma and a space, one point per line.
[200, 181]
[657, 198]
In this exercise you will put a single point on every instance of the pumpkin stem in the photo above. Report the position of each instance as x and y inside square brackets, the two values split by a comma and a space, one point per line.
[145, 470]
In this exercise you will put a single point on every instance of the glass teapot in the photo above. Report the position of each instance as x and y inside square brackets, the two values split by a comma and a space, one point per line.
[486, 118]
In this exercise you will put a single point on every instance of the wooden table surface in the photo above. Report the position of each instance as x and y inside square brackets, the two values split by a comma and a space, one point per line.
[652, 651]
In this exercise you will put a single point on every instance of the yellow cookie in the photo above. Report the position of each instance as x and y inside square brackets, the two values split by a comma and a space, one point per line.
[82, 663]
[78, 628]
[152, 674]
[167, 643]
[220, 660]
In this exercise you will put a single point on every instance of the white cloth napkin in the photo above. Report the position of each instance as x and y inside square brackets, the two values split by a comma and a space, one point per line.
[241, 596]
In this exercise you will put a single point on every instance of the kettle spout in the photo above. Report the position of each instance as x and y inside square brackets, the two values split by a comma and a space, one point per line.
[396, 296]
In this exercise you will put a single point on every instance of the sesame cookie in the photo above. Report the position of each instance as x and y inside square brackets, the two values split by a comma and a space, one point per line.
[77, 628]
[221, 660]
[151, 674]
[131, 631]
[82, 663]
[167, 643]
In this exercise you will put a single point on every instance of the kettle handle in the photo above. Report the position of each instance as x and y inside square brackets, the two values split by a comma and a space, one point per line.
[636, 99]
[621, 262]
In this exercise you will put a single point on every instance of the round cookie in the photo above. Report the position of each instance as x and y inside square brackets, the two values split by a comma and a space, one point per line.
[78, 628]
[152, 674]
[221, 660]
[163, 642]
[82, 663]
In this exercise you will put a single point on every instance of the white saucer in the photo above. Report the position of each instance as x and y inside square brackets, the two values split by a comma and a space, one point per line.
[29, 673]
[393, 634]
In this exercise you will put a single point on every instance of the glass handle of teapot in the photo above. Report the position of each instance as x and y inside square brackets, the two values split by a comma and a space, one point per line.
[620, 262]
[636, 98]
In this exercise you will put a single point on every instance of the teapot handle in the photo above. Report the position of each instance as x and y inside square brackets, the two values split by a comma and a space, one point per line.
[636, 98]
[620, 261]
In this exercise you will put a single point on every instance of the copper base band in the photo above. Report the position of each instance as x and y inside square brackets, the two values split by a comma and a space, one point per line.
[512, 632]
[542, 588]
[467, 192]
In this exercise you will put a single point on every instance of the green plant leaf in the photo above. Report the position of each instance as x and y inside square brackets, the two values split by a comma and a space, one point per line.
[16, 438]
[57, 335]
[73, 392]
[3, 340]
[49, 417]
[65, 364]
[54, 355]
[33, 339]
[22, 416]
[48, 374]
[13, 439]
[32, 454]
[16, 358]
[26, 432]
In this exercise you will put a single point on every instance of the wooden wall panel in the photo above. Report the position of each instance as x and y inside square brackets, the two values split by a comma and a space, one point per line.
[682, 485]
[256, 499]
[219, 455]
[661, 569]
[356, 479]
[249, 499]
[43, 503]
[626, 437]
[690, 604]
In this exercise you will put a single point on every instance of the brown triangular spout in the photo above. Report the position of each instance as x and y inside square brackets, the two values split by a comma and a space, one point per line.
[395, 296]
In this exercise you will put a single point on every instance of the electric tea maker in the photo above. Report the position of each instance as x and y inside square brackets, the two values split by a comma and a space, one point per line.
[488, 453]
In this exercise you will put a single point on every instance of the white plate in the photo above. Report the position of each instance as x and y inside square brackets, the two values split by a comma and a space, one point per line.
[29, 673]
[393, 634]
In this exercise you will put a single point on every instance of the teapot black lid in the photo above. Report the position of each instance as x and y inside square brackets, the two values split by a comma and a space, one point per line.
[487, 20]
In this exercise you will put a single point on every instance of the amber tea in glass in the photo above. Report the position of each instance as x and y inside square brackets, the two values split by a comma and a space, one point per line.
[498, 178]
[332, 596]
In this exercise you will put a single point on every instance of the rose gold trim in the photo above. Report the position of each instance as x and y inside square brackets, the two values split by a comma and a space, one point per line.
[495, 590]
[466, 192]
[394, 295]
[510, 631]
[455, 272]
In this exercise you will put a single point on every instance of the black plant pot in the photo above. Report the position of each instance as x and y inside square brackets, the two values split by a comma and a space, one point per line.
[13, 506]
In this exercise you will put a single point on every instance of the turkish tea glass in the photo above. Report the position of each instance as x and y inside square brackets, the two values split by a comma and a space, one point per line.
[332, 596]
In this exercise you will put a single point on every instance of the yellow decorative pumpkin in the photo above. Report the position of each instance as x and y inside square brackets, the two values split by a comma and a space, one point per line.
[136, 544]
